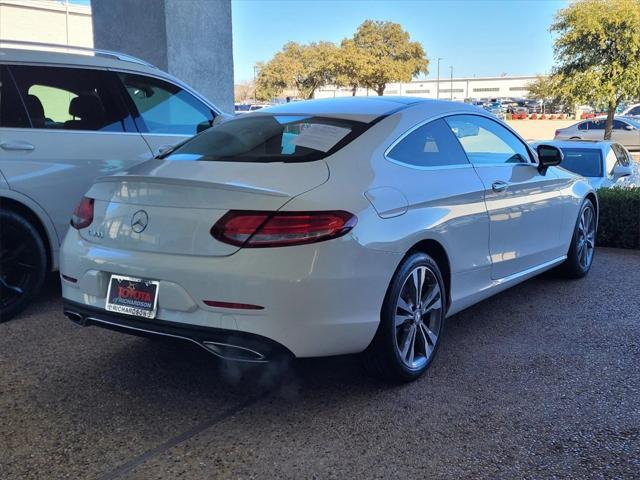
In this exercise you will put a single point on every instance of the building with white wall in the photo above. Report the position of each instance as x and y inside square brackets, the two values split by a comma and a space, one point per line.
[459, 89]
[56, 22]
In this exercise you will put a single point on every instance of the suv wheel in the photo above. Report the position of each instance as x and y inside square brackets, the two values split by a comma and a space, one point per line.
[23, 264]
[411, 323]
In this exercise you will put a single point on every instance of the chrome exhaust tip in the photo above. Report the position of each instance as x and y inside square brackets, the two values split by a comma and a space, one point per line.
[235, 353]
[74, 317]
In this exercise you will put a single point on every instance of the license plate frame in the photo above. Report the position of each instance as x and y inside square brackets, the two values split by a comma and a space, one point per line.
[136, 297]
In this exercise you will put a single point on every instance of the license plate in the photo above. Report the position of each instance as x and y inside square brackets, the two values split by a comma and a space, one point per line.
[132, 296]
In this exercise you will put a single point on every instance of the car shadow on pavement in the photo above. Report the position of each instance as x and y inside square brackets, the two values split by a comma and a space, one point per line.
[142, 365]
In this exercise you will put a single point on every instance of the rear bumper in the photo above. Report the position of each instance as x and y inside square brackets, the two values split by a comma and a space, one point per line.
[317, 300]
[226, 344]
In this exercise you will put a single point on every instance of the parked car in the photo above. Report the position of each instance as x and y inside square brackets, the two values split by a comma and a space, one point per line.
[603, 163]
[326, 227]
[626, 131]
[632, 110]
[65, 119]
[496, 109]
[533, 106]
[241, 108]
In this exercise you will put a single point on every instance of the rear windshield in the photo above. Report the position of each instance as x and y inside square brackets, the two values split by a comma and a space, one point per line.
[270, 138]
[583, 161]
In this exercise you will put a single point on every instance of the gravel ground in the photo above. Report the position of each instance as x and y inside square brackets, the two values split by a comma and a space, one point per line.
[541, 381]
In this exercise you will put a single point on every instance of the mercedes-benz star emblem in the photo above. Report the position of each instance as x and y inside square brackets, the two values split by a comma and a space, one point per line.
[139, 221]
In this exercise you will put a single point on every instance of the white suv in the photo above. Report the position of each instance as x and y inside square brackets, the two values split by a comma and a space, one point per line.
[65, 119]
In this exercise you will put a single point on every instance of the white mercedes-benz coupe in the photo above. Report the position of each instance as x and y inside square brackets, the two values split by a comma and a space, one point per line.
[325, 227]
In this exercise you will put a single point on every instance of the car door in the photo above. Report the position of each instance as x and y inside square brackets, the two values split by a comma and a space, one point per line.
[595, 130]
[165, 113]
[581, 131]
[525, 207]
[75, 128]
[625, 133]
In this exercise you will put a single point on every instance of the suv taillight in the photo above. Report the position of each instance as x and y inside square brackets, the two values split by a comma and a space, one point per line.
[259, 229]
[557, 133]
[83, 214]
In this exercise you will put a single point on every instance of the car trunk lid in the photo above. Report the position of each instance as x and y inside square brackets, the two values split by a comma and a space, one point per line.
[170, 206]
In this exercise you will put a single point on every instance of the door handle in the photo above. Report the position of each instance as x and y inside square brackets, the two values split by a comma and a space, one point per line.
[499, 186]
[17, 146]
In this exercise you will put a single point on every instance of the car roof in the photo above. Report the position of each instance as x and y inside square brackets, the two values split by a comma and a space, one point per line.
[589, 144]
[364, 109]
[55, 55]
[616, 117]
[31, 53]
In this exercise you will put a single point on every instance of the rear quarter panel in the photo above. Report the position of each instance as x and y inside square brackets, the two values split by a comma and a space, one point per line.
[573, 190]
[445, 205]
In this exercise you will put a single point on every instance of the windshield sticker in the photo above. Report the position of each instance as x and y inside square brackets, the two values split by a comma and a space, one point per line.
[320, 137]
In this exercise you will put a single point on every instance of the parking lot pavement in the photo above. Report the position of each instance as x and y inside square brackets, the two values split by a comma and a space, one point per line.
[540, 381]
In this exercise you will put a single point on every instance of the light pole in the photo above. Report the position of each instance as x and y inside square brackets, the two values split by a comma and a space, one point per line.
[438, 79]
[451, 85]
[255, 84]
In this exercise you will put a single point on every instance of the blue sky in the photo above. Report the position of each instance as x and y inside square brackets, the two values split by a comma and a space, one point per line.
[477, 37]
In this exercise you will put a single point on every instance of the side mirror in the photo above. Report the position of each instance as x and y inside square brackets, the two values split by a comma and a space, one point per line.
[620, 171]
[629, 127]
[548, 156]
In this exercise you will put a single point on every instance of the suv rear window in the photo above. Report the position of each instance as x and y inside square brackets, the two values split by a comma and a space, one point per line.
[270, 138]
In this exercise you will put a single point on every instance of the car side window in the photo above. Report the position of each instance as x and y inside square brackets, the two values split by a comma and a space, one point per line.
[596, 125]
[621, 155]
[431, 145]
[487, 142]
[65, 98]
[634, 111]
[611, 161]
[166, 108]
[619, 125]
[12, 111]
[583, 126]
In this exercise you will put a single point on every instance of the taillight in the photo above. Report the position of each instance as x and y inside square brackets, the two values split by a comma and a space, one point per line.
[83, 214]
[557, 133]
[257, 229]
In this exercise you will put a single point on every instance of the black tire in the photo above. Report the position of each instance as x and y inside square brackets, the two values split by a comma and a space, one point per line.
[23, 263]
[384, 357]
[575, 265]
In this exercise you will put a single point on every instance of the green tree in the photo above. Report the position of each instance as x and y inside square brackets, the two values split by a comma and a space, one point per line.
[389, 55]
[351, 66]
[267, 86]
[304, 68]
[598, 52]
[552, 90]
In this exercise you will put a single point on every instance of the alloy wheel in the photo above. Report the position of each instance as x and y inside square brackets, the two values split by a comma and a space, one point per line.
[586, 237]
[418, 317]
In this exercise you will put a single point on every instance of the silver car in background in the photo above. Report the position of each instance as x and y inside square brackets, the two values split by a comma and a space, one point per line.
[604, 164]
[65, 119]
[626, 131]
